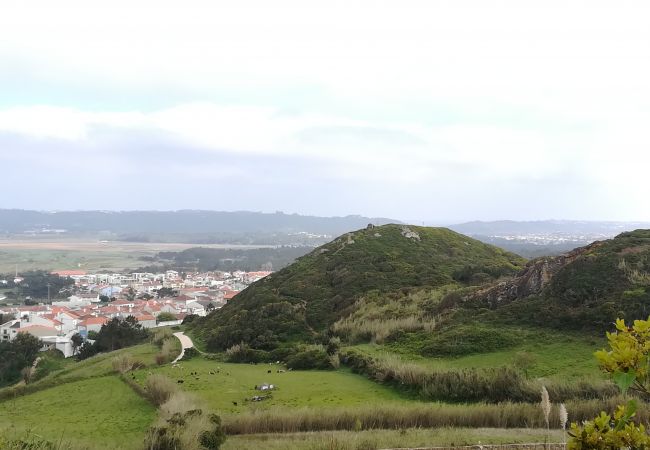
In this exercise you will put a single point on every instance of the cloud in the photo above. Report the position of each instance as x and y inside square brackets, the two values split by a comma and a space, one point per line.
[420, 110]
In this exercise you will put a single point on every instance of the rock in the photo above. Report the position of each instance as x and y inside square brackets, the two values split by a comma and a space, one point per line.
[410, 234]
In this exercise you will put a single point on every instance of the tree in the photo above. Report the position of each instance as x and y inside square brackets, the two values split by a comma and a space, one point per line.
[119, 333]
[36, 283]
[17, 355]
[145, 296]
[104, 298]
[166, 292]
[130, 294]
[77, 340]
[165, 317]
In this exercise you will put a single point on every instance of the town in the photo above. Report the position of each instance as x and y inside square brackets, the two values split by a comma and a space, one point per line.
[153, 299]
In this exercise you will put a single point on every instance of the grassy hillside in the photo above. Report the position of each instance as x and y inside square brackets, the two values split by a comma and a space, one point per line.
[97, 413]
[303, 300]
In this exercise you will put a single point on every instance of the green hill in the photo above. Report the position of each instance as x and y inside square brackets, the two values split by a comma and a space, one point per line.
[585, 289]
[361, 271]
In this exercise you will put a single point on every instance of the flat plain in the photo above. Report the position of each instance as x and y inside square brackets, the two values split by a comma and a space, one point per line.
[86, 254]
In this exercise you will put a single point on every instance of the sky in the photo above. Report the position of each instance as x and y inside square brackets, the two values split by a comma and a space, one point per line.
[436, 111]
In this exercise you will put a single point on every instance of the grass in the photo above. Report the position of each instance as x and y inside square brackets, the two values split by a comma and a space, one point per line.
[236, 382]
[98, 366]
[555, 356]
[376, 439]
[95, 413]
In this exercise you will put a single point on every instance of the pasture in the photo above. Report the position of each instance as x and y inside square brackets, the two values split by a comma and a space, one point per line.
[97, 413]
[235, 383]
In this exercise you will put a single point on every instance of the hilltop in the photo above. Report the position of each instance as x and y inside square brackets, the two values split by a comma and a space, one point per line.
[353, 274]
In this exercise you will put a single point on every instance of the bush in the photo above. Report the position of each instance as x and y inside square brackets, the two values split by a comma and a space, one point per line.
[165, 317]
[315, 358]
[189, 319]
[242, 353]
[190, 353]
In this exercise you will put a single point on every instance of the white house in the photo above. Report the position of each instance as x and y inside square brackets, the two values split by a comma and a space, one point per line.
[9, 330]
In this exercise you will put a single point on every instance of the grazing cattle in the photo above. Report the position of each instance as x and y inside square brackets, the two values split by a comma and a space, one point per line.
[280, 371]
[234, 403]
[269, 371]
[181, 381]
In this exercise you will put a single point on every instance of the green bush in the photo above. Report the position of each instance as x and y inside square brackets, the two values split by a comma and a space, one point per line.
[309, 359]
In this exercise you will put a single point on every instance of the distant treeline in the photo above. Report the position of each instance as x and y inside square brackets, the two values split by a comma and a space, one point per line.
[206, 259]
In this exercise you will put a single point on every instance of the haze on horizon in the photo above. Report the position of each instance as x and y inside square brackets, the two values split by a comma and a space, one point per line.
[435, 111]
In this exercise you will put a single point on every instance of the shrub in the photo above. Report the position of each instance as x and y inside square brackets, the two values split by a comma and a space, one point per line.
[126, 363]
[190, 353]
[313, 358]
[189, 318]
[159, 389]
[165, 317]
[242, 353]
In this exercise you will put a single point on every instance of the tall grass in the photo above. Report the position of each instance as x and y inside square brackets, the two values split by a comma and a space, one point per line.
[160, 336]
[377, 316]
[160, 389]
[485, 415]
[469, 385]
[184, 425]
[356, 330]
[125, 363]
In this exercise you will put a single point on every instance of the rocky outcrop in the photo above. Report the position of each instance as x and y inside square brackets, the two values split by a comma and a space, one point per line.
[530, 281]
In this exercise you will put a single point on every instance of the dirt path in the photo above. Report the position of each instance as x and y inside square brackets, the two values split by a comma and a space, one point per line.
[186, 343]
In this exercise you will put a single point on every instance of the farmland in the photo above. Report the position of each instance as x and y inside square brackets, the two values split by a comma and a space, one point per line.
[85, 254]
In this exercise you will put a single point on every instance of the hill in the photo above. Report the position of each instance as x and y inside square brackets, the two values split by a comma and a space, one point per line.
[356, 273]
[587, 288]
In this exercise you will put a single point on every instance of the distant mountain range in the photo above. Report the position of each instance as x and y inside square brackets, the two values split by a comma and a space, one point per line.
[184, 226]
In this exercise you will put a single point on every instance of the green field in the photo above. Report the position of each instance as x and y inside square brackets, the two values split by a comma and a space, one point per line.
[95, 413]
[236, 383]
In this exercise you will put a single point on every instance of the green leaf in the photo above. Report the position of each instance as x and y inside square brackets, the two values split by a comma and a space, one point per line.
[624, 379]
[630, 411]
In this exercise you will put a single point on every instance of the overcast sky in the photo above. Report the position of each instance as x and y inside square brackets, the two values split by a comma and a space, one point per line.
[418, 110]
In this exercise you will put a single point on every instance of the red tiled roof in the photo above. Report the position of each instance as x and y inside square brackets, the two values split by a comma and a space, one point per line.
[68, 273]
[143, 317]
[94, 321]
